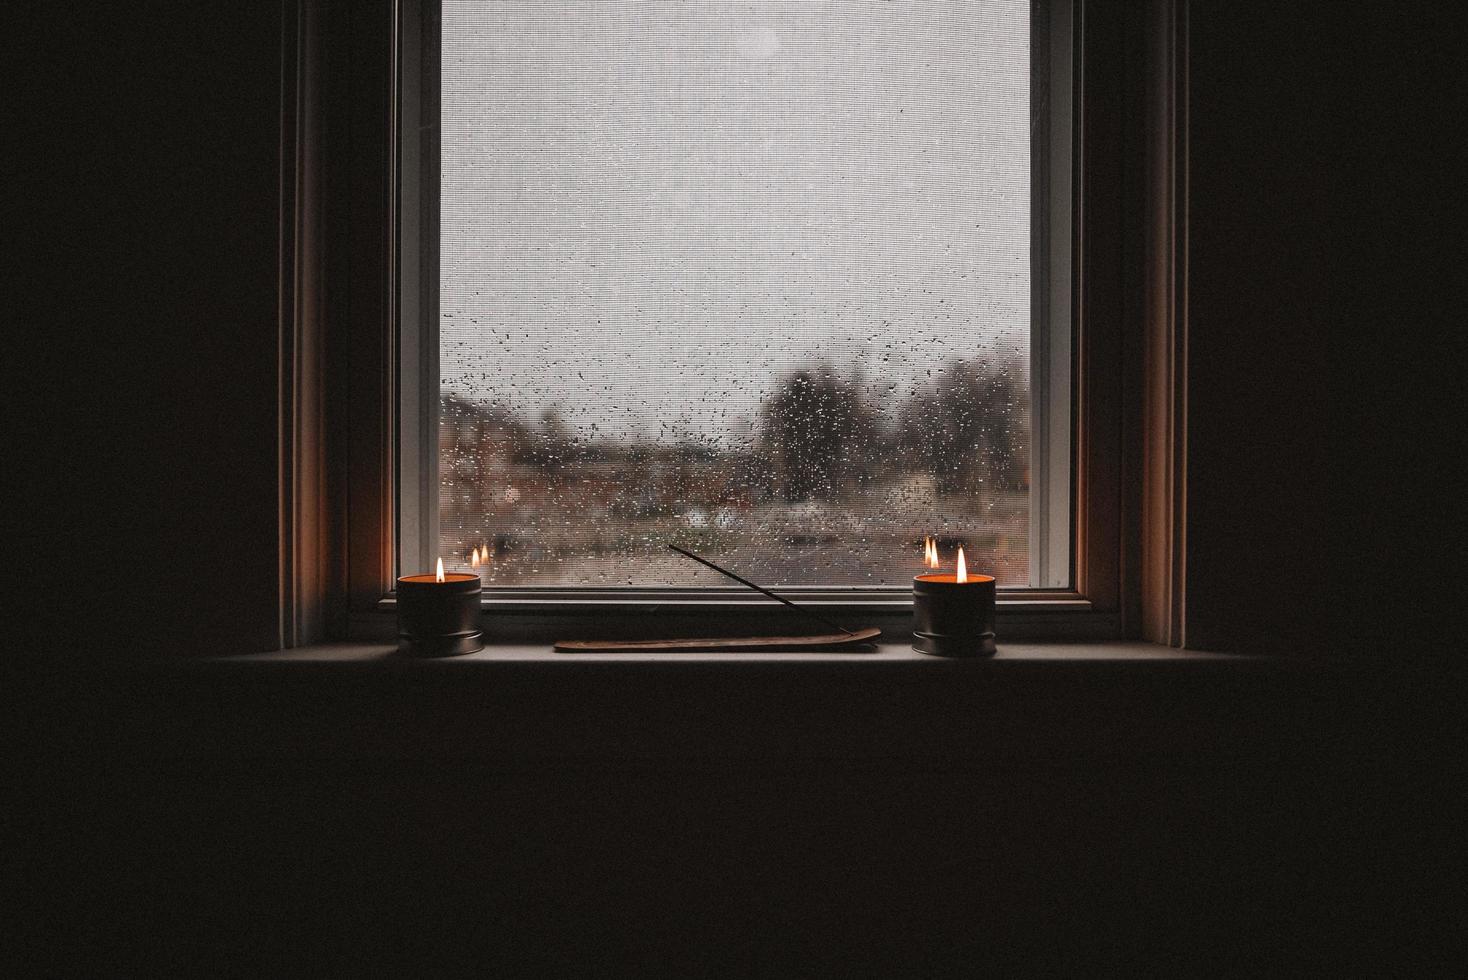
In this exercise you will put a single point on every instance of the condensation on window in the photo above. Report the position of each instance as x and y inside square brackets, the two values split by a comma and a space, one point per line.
[749, 278]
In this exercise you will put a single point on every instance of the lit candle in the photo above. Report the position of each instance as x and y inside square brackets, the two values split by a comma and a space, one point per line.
[952, 615]
[438, 614]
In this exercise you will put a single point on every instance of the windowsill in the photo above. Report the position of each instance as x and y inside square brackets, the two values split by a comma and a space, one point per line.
[887, 655]
[524, 707]
[527, 632]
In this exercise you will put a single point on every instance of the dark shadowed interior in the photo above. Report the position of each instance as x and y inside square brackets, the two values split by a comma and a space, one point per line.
[1050, 811]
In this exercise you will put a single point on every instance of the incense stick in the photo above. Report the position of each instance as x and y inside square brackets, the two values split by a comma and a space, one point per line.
[743, 581]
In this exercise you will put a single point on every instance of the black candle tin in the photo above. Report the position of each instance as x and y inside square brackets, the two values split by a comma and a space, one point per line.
[438, 619]
[952, 618]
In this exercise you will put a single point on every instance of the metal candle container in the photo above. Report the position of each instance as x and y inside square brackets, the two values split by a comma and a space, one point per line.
[438, 619]
[952, 618]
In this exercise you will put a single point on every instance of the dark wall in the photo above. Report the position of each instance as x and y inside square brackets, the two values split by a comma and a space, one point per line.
[1259, 392]
[796, 819]
[146, 239]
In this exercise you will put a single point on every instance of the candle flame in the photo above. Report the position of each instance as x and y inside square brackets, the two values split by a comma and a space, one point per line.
[962, 568]
[930, 552]
[474, 558]
[438, 575]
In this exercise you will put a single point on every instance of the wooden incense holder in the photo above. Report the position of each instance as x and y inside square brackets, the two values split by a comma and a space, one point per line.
[733, 644]
[845, 639]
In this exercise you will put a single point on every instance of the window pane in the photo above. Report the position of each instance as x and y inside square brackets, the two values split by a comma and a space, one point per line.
[752, 278]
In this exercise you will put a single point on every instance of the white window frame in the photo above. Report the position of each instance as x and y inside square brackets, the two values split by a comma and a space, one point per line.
[1051, 327]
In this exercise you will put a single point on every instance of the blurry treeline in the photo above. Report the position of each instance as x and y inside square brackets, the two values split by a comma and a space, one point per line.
[819, 436]
[823, 435]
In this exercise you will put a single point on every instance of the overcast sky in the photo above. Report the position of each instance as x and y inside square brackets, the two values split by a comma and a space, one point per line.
[652, 210]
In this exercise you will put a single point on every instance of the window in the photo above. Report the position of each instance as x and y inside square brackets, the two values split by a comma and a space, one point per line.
[786, 283]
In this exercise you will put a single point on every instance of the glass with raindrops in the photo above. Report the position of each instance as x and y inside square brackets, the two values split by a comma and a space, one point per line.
[749, 278]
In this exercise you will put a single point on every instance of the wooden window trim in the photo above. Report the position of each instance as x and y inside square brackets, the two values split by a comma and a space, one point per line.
[341, 164]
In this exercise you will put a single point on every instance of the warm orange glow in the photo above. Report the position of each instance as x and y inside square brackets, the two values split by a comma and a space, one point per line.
[930, 552]
[438, 575]
[428, 578]
[942, 579]
[962, 575]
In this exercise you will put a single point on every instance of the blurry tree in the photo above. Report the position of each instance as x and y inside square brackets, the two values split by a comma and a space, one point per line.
[973, 433]
[819, 434]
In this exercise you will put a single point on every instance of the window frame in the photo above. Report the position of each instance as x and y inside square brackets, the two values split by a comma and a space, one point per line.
[376, 283]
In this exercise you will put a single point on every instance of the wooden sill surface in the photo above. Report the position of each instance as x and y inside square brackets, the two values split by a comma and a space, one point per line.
[887, 654]
[523, 708]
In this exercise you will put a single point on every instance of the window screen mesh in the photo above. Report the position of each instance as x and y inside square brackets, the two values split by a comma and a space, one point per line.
[752, 278]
